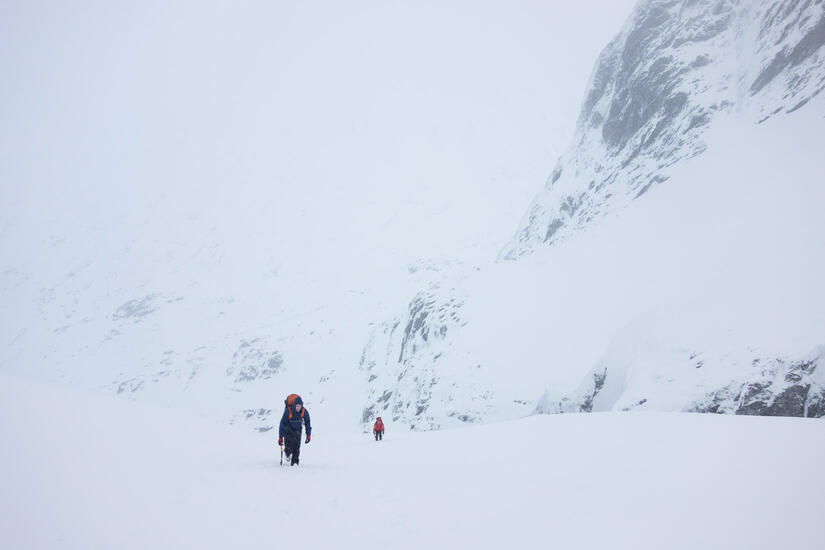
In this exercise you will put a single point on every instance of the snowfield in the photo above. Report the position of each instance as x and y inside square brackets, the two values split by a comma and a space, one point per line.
[88, 471]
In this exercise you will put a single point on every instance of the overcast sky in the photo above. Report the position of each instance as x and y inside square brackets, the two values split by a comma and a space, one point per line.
[430, 124]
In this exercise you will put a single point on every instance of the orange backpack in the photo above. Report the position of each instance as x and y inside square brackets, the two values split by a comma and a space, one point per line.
[289, 401]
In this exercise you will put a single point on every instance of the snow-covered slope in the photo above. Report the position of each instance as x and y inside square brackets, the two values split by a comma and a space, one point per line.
[703, 294]
[211, 207]
[86, 471]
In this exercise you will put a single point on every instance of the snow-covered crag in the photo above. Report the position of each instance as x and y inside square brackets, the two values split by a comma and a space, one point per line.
[401, 362]
[657, 88]
[641, 372]
[679, 70]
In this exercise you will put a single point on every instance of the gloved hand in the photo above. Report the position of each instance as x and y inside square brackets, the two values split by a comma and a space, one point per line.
[280, 441]
[308, 438]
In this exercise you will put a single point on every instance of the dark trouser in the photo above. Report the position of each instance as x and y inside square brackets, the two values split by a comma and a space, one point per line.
[379, 434]
[292, 444]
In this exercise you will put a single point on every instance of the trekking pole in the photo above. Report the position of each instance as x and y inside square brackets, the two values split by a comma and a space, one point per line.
[282, 454]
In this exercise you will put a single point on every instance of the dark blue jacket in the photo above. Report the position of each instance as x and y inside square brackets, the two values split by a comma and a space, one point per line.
[294, 424]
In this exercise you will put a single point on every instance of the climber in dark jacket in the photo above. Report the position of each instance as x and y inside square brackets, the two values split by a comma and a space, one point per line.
[289, 432]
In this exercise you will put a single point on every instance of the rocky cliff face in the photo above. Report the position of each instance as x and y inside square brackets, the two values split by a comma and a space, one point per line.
[674, 69]
[676, 66]
[777, 387]
[405, 372]
[723, 381]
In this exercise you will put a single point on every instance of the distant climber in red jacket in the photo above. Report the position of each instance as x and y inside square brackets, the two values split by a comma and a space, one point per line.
[378, 429]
